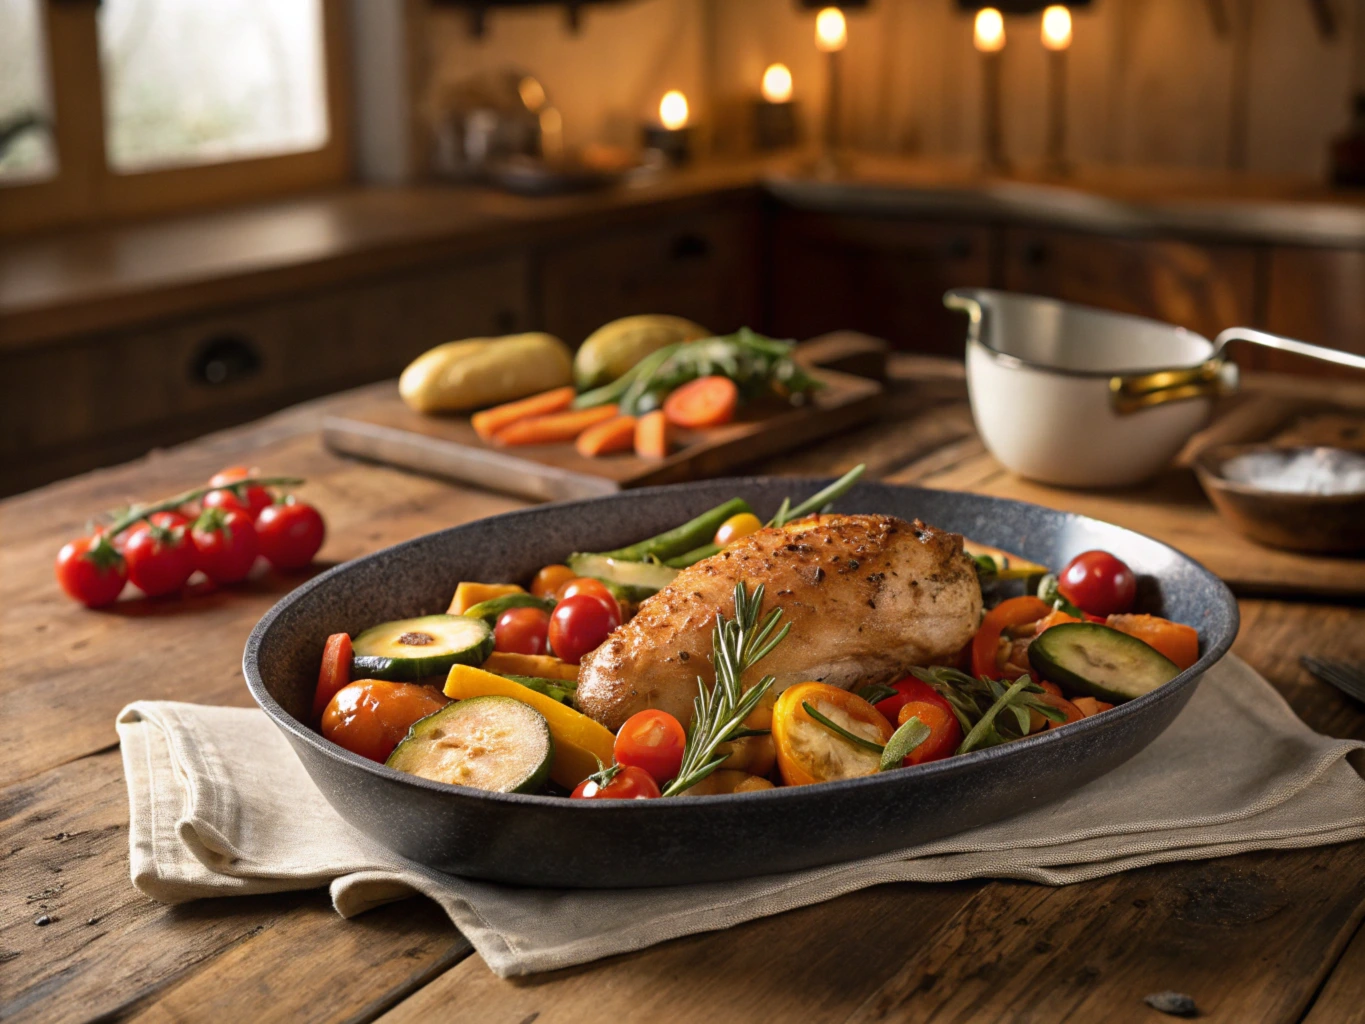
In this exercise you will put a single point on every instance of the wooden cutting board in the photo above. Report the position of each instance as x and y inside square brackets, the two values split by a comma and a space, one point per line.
[1173, 508]
[383, 429]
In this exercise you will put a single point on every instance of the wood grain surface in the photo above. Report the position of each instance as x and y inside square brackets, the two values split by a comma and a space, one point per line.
[1266, 937]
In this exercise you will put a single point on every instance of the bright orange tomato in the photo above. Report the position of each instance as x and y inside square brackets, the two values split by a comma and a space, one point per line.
[548, 581]
[945, 731]
[808, 751]
[739, 525]
[652, 740]
[371, 716]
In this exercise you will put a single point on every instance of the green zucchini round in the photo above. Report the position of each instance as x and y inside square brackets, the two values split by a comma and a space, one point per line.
[1100, 661]
[408, 649]
[492, 743]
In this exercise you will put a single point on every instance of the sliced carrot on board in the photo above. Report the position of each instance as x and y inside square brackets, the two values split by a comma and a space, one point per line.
[616, 435]
[490, 421]
[556, 427]
[651, 435]
[704, 402]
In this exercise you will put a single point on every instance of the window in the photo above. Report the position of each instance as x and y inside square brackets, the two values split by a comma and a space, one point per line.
[127, 107]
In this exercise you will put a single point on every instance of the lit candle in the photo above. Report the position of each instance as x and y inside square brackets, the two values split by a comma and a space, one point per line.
[1056, 38]
[775, 112]
[988, 36]
[831, 30]
[831, 36]
[671, 136]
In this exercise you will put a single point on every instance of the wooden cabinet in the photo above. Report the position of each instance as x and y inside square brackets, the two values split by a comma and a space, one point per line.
[883, 276]
[84, 402]
[1315, 295]
[1202, 287]
[702, 264]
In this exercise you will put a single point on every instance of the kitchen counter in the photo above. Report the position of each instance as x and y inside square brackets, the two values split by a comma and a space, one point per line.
[96, 279]
[1259, 938]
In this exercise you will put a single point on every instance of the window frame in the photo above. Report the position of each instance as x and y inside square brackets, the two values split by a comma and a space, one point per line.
[87, 190]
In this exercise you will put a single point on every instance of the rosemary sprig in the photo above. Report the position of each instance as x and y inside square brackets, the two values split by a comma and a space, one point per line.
[719, 712]
[839, 730]
[977, 701]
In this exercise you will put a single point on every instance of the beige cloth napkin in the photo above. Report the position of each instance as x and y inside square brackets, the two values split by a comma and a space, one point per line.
[220, 805]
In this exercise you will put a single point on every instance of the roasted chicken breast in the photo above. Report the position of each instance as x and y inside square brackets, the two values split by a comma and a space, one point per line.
[867, 596]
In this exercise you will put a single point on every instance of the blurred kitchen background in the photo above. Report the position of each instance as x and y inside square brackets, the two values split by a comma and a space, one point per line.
[212, 209]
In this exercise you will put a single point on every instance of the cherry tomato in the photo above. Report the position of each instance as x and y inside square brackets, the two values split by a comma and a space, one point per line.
[169, 520]
[579, 624]
[907, 690]
[371, 716]
[945, 731]
[548, 581]
[225, 544]
[1098, 583]
[160, 560]
[91, 571]
[737, 526]
[522, 631]
[654, 741]
[290, 533]
[256, 496]
[592, 588]
[630, 783]
[334, 673]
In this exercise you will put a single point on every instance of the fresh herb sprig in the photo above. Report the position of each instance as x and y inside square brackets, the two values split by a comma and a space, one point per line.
[893, 753]
[979, 705]
[719, 711]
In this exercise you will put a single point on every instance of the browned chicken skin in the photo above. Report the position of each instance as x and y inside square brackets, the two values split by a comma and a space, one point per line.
[867, 596]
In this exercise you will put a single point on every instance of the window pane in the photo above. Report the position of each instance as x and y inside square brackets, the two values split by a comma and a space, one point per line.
[26, 150]
[212, 80]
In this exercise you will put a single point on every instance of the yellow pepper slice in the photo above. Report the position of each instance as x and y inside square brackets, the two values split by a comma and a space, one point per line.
[579, 741]
[467, 595]
[542, 666]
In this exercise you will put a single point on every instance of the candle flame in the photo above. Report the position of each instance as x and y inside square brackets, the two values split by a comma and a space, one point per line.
[673, 110]
[1056, 27]
[777, 83]
[831, 31]
[989, 36]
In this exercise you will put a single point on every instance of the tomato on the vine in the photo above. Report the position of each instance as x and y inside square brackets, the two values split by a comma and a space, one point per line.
[579, 624]
[91, 571]
[651, 740]
[1098, 583]
[619, 782]
[290, 533]
[253, 499]
[522, 631]
[169, 520]
[160, 560]
[225, 544]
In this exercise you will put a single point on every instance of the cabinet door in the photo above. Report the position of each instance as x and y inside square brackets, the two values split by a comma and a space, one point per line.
[1204, 288]
[1316, 295]
[885, 277]
[702, 265]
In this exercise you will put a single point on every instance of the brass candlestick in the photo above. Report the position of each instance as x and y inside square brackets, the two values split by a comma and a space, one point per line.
[831, 36]
[1057, 40]
[989, 39]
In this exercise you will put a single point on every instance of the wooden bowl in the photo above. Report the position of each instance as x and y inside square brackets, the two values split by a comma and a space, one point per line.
[1296, 520]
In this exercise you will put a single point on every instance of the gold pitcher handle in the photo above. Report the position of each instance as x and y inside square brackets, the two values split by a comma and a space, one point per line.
[1134, 392]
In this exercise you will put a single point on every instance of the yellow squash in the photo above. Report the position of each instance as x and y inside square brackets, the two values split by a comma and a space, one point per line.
[542, 666]
[479, 372]
[579, 741]
[467, 595]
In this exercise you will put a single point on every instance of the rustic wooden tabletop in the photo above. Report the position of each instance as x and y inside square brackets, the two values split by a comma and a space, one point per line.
[1268, 937]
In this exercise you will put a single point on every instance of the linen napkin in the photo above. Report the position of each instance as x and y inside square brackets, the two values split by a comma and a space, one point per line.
[221, 806]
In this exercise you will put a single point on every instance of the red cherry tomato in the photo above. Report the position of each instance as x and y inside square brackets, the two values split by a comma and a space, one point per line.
[654, 741]
[335, 672]
[160, 560]
[522, 631]
[945, 731]
[630, 783]
[591, 587]
[907, 690]
[1098, 583]
[290, 533]
[91, 571]
[169, 520]
[225, 544]
[371, 716]
[579, 624]
[254, 500]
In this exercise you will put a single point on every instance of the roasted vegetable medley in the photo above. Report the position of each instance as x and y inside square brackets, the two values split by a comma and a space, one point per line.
[585, 681]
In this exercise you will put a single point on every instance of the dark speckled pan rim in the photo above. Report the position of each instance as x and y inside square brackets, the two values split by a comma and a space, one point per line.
[1112, 719]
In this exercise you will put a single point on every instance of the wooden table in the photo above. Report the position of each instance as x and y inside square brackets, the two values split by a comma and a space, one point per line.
[1261, 937]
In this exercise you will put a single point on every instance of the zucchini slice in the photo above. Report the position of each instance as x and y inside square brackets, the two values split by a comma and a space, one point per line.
[490, 610]
[492, 743]
[1100, 661]
[634, 581]
[408, 649]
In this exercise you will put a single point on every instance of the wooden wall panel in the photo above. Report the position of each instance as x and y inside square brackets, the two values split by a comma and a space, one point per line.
[1316, 295]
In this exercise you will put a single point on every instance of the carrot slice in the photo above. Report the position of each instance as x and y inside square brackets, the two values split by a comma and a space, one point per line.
[651, 435]
[558, 426]
[490, 421]
[704, 402]
[1177, 641]
[335, 672]
[616, 435]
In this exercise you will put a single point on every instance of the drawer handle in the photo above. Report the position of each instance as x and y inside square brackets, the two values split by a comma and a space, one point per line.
[224, 359]
[690, 247]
